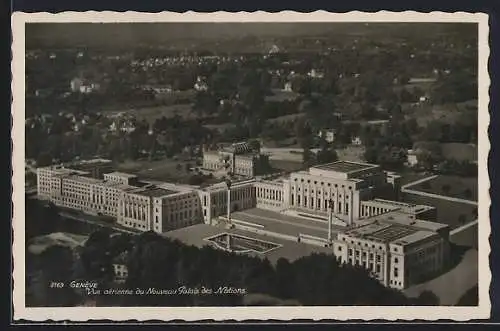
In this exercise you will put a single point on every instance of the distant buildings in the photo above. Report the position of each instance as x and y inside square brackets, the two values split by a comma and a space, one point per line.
[136, 205]
[79, 85]
[356, 141]
[274, 50]
[315, 73]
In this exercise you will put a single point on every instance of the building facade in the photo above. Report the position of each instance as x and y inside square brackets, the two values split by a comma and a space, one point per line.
[238, 159]
[396, 249]
[399, 243]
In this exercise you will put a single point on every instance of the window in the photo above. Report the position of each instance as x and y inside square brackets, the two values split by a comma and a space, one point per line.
[378, 267]
[395, 260]
[340, 248]
[396, 272]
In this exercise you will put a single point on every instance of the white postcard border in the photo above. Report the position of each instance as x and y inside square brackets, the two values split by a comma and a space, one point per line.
[21, 312]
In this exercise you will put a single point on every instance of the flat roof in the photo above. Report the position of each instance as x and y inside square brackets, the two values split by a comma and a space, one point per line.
[345, 166]
[195, 235]
[154, 192]
[285, 224]
[381, 232]
[121, 174]
[414, 237]
[397, 217]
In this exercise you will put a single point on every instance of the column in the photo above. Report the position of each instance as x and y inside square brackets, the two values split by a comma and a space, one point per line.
[228, 183]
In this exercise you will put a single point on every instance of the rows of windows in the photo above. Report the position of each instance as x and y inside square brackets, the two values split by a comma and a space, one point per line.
[308, 181]
[368, 265]
[372, 211]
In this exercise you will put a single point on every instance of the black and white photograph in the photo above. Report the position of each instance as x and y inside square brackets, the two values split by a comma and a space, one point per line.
[290, 165]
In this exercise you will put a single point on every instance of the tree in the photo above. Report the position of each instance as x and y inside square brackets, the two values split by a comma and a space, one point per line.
[326, 155]
[56, 265]
[44, 159]
[468, 193]
[254, 144]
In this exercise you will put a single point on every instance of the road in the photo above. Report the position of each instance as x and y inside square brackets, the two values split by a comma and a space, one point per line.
[450, 286]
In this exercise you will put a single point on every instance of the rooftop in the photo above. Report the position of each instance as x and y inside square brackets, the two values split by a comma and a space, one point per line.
[196, 235]
[396, 217]
[121, 174]
[82, 179]
[345, 166]
[403, 206]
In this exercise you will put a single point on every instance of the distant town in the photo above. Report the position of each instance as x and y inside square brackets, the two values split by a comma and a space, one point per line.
[315, 164]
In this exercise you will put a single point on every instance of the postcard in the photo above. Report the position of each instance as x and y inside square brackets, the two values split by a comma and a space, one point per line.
[250, 166]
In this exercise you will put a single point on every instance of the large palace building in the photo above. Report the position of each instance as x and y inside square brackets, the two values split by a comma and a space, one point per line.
[350, 207]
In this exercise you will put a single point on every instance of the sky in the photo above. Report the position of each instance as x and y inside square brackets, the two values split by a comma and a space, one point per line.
[69, 34]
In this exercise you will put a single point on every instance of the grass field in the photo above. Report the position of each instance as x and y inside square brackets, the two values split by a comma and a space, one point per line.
[284, 165]
[451, 186]
[165, 170]
[410, 176]
[448, 212]
[150, 114]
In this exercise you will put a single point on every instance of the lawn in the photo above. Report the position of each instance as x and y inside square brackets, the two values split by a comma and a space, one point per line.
[284, 165]
[468, 237]
[451, 186]
[452, 285]
[448, 212]
[164, 170]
